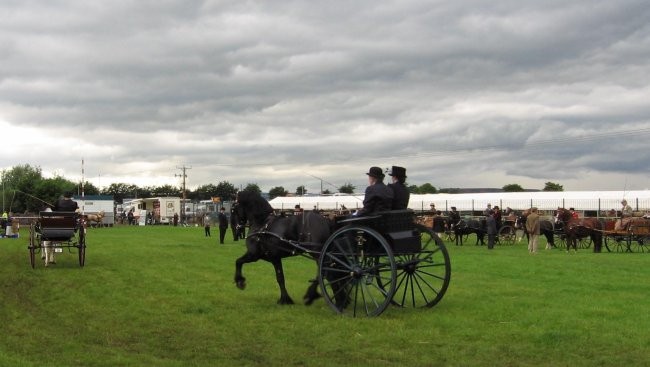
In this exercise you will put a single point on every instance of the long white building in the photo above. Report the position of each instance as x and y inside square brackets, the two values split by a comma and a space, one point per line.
[545, 200]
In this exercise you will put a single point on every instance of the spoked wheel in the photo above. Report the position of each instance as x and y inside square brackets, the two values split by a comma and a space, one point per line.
[81, 245]
[506, 235]
[33, 245]
[560, 241]
[615, 243]
[423, 277]
[584, 242]
[357, 272]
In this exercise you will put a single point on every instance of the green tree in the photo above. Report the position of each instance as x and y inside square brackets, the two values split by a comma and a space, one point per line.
[414, 189]
[50, 190]
[277, 191]
[90, 189]
[204, 192]
[18, 183]
[301, 190]
[551, 186]
[165, 190]
[226, 191]
[427, 188]
[253, 187]
[513, 188]
[348, 188]
[120, 191]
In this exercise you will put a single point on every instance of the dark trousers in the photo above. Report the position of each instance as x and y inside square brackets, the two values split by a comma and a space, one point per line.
[207, 231]
[222, 234]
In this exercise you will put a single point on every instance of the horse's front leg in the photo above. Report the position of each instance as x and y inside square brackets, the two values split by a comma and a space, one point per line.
[279, 276]
[248, 257]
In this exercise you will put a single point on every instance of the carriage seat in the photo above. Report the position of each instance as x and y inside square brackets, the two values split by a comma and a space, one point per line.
[398, 227]
[57, 226]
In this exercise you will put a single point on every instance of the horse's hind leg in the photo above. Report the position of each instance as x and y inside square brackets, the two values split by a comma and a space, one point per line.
[285, 299]
[312, 292]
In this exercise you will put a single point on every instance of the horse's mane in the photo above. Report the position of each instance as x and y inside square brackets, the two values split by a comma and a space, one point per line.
[257, 209]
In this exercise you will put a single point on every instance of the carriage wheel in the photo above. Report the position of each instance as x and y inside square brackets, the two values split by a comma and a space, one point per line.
[353, 264]
[81, 245]
[506, 235]
[423, 277]
[560, 241]
[32, 245]
[584, 242]
[615, 243]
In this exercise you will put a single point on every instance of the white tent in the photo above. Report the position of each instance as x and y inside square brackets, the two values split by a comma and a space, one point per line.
[544, 200]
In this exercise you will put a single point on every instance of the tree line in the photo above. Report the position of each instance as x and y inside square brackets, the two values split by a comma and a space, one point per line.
[24, 189]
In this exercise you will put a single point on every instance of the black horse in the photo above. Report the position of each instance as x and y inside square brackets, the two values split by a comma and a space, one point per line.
[269, 239]
[466, 227]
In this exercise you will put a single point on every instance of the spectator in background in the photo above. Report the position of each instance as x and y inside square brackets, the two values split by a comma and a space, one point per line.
[223, 224]
[206, 225]
[491, 229]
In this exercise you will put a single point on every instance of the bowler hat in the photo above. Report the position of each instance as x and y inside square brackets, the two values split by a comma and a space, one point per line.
[376, 173]
[397, 172]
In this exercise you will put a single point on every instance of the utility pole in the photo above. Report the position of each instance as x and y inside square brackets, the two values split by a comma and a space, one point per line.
[184, 176]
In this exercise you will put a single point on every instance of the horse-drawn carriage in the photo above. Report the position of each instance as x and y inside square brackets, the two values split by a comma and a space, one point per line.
[633, 236]
[365, 264]
[52, 232]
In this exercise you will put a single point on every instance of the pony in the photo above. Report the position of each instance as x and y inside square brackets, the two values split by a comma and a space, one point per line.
[575, 228]
[466, 227]
[269, 236]
[546, 228]
[97, 218]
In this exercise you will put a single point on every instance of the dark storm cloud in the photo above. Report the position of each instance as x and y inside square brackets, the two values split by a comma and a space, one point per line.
[461, 93]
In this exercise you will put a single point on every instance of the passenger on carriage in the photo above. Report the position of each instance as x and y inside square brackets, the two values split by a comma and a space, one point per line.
[378, 197]
[454, 217]
[401, 193]
[66, 204]
[574, 213]
[626, 215]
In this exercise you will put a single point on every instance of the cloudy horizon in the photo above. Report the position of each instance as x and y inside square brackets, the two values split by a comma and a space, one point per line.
[288, 93]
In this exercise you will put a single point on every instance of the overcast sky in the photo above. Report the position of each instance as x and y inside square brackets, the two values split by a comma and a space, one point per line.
[288, 93]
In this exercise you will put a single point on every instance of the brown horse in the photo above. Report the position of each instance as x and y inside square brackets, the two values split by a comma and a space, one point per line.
[97, 218]
[575, 228]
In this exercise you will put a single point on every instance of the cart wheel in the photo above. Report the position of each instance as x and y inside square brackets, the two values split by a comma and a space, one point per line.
[615, 243]
[506, 235]
[32, 245]
[584, 242]
[82, 246]
[357, 272]
[560, 241]
[423, 277]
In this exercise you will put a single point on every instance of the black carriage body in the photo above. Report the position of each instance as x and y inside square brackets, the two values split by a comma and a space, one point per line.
[398, 227]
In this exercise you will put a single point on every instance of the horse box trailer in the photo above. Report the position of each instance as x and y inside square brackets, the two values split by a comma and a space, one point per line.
[163, 208]
[93, 204]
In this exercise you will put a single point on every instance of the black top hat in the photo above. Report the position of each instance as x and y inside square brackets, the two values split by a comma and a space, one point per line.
[376, 173]
[67, 194]
[397, 172]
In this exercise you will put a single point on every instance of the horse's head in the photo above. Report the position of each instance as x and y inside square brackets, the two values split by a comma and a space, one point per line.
[253, 207]
[562, 215]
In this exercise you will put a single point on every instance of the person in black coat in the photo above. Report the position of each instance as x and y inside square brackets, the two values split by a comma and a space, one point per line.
[234, 223]
[401, 193]
[378, 197]
[223, 224]
[66, 204]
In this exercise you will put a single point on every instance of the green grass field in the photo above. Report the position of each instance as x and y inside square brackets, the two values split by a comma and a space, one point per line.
[164, 296]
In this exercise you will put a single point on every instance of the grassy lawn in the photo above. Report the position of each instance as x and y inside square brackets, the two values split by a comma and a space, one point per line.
[164, 296]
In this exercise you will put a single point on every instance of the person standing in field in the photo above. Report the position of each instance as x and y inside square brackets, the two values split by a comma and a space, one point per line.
[491, 228]
[532, 227]
[206, 225]
[223, 224]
